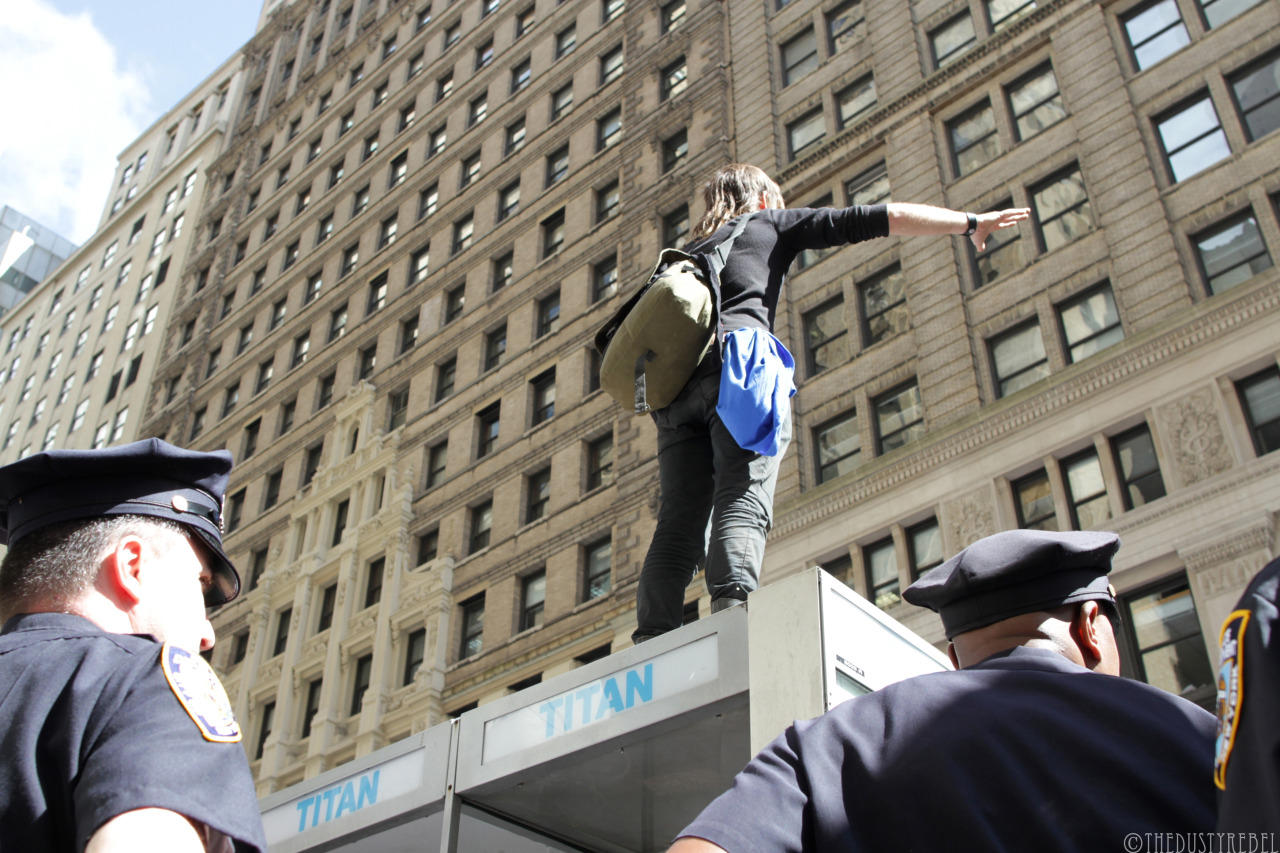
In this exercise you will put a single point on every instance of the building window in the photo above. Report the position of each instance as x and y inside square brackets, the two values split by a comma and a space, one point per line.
[312, 290]
[521, 74]
[611, 66]
[974, 142]
[1154, 31]
[826, 342]
[539, 495]
[1086, 490]
[324, 391]
[604, 279]
[437, 459]
[373, 584]
[899, 417]
[477, 110]
[444, 87]
[855, 100]
[463, 231]
[544, 397]
[675, 226]
[509, 200]
[600, 462]
[337, 324]
[1218, 12]
[1260, 398]
[503, 269]
[609, 129]
[264, 727]
[360, 201]
[1062, 209]
[674, 149]
[230, 399]
[1002, 256]
[428, 199]
[408, 334]
[398, 409]
[282, 631]
[1192, 138]
[870, 187]
[598, 569]
[439, 139]
[1165, 643]
[673, 14]
[271, 491]
[562, 100]
[312, 707]
[428, 546]
[1090, 323]
[336, 172]
[1018, 359]
[472, 627]
[470, 170]
[557, 165]
[533, 596]
[1036, 102]
[455, 301]
[881, 560]
[1002, 13]
[566, 41]
[301, 345]
[514, 137]
[553, 233]
[368, 361]
[799, 56]
[350, 258]
[924, 547]
[398, 170]
[884, 305]
[611, 9]
[845, 25]
[806, 132]
[360, 684]
[1034, 499]
[340, 521]
[495, 347]
[484, 54]
[839, 444]
[952, 40]
[377, 298]
[673, 81]
[1257, 92]
[287, 411]
[278, 310]
[481, 526]
[407, 116]
[251, 438]
[1140, 478]
[1232, 252]
[414, 652]
[487, 421]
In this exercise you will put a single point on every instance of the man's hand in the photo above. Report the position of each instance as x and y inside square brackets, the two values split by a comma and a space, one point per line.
[994, 221]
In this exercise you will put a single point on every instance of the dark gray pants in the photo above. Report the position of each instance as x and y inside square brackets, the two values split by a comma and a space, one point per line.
[716, 505]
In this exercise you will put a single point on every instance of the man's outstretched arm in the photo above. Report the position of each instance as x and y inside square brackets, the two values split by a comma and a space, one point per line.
[924, 220]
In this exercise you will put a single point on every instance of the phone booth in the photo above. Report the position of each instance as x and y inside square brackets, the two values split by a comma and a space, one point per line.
[618, 755]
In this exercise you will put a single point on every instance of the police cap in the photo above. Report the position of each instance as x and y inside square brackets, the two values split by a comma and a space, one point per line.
[1016, 572]
[149, 477]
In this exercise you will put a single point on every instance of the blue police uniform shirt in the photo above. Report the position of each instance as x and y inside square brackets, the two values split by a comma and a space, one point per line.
[1247, 769]
[1023, 751]
[92, 729]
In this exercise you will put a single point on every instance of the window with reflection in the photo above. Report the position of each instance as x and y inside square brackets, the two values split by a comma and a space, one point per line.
[1164, 642]
[1090, 323]
[1231, 252]
[839, 446]
[1034, 501]
[899, 417]
[881, 561]
[1018, 359]
[826, 336]
[1192, 138]
[1036, 102]
[1062, 209]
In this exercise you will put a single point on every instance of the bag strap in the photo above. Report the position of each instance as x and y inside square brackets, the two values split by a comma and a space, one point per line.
[715, 261]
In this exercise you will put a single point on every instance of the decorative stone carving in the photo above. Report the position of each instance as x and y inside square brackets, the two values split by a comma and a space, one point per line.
[969, 519]
[1195, 432]
[1229, 563]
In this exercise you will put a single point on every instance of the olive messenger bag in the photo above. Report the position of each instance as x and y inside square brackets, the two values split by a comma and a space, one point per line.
[660, 335]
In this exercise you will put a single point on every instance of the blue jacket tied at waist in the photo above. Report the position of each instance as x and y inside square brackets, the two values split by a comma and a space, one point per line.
[755, 386]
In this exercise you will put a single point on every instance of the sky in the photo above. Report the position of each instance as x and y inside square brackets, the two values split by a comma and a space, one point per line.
[81, 79]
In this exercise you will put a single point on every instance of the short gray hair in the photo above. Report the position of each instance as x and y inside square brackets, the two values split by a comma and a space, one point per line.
[60, 562]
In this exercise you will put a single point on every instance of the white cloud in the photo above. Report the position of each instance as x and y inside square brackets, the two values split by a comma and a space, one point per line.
[66, 112]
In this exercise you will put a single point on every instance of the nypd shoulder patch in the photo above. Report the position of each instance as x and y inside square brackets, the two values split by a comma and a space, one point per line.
[201, 693]
[1230, 691]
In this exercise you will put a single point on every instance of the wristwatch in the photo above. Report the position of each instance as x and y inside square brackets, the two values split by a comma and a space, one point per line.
[973, 224]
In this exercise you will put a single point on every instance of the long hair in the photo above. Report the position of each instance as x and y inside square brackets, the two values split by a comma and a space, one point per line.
[732, 191]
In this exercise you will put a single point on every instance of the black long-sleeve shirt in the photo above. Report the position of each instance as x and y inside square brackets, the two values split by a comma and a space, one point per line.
[751, 281]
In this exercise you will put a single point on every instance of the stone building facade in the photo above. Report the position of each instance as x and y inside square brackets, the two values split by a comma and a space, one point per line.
[422, 212]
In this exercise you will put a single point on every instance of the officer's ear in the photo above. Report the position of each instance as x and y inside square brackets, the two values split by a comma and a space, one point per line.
[1087, 631]
[121, 571]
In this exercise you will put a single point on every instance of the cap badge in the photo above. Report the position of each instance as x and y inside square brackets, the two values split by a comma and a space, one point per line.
[179, 503]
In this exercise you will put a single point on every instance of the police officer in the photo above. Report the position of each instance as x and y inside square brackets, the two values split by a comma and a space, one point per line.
[114, 733]
[1030, 745]
[1247, 769]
